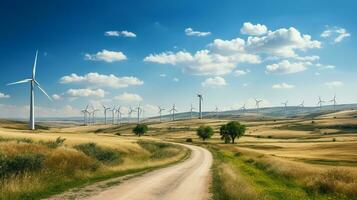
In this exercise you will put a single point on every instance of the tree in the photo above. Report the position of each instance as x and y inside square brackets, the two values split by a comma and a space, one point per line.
[140, 129]
[231, 131]
[205, 132]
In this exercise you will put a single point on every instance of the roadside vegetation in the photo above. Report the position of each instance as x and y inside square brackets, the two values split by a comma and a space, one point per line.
[33, 170]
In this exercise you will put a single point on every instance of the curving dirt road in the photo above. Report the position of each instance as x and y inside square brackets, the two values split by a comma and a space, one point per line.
[186, 180]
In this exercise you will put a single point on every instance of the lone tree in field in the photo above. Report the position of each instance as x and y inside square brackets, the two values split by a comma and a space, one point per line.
[232, 130]
[205, 132]
[140, 129]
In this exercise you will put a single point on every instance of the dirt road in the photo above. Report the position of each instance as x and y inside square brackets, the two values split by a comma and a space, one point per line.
[187, 180]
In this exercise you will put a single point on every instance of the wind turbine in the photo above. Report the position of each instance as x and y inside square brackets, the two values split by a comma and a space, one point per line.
[105, 113]
[334, 102]
[93, 115]
[85, 112]
[131, 110]
[191, 110]
[113, 115]
[257, 102]
[33, 82]
[302, 105]
[200, 100]
[173, 110]
[216, 111]
[160, 111]
[320, 102]
[139, 111]
[118, 115]
[243, 108]
[285, 105]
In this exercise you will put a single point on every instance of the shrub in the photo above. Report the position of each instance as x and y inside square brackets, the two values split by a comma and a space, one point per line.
[158, 150]
[101, 154]
[20, 163]
[54, 144]
[205, 132]
[189, 140]
[140, 129]
[333, 139]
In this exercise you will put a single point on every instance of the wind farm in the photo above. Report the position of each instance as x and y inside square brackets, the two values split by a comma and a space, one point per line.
[179, 100]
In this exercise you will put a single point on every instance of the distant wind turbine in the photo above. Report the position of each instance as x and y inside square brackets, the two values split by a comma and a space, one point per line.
[160, 111]
[139, 110]
[131, 110]
[113, 115]
[257, 102]
[334, 102]
[85, 114]
[216, 110]
[173, 110]
[33, 82]
[285, 105]
[302, 105]
[105, 113]
[319, 102]
[200, 100]
[119, 113]
[243, 108]
[191, 110]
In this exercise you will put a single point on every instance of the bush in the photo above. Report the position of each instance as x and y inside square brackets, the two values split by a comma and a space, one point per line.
[20, 163]
[189, 140]
[205, 132]
[140, 129]
[54, 144]
[101, 154]
[232, 129]
[158, 150]
[333, 139]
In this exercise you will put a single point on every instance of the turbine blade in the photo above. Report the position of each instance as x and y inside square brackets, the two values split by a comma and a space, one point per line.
[22, 81]
[34, 66]
[42, 90]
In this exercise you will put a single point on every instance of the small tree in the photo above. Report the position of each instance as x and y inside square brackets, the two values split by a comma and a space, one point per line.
[205, 132]
[231, 130]
[140, 129]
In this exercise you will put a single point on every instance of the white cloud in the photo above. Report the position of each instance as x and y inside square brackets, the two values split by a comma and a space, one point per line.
[56, 97]
[336, 33]
[106, 56]
[4, 96]
[334, 84]
[162, 75]
[86, 92]
[251, 29]
[239, 72]
[322, 67]
[129, 97]
[308, 58]
[175, 79]
[283, 86]
[191, 32]
[202, 62]
[214, 82]
[102, 80]
[282, 42]
[124, 33]
[286, 67]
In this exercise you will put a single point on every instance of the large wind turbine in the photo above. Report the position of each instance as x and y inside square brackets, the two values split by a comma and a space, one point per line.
[160, 111]
[257, 102]
[105, 113]
[33, 82]
[173, 110]
[200, 100]
[334, 102]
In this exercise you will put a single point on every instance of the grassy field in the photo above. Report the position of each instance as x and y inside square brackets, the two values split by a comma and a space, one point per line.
[53, 160]
[278, 158]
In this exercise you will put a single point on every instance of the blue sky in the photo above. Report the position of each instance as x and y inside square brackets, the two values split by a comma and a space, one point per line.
[164, 52]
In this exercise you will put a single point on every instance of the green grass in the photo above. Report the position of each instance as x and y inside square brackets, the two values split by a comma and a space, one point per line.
[266, 184]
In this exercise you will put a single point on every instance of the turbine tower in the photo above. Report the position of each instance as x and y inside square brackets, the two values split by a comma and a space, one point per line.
[216, 111]
[243, 108]
[173, 110]
[160, 111]
[33, 82]
[334, 102]
[257, 102]
[93, 115]
[105, 113]
[302, 105]
[191, 110]
[139, 111]
[113, 115]
[119, 113]
[200, 100]
[85, 113]
[285, 105]
[319, 102]
[131, 110]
